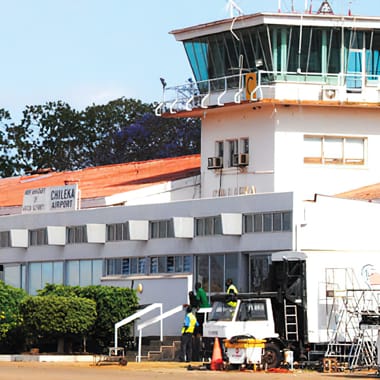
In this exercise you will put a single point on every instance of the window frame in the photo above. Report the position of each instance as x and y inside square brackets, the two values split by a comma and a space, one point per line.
[341, 159]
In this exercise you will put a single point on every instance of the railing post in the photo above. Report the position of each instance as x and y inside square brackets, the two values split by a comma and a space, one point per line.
[140, 341]
[161, 326]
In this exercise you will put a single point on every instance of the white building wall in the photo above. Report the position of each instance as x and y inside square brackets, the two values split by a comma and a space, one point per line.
[339, 236]
[339, 224]
[276, 149]
[225, 124]
[293, 122]
[348, 269]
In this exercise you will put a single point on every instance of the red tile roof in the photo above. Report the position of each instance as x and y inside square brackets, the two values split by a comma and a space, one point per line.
[103, 181]
[366, 193]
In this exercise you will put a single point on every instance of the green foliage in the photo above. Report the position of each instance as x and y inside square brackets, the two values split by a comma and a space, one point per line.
[58, 137]
[112, 305]
[7, 164]
[49, 136]
[10, 316]
[57, 316]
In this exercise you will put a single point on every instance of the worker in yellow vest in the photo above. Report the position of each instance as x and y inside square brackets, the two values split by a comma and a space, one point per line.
[189, 324]
[231, 289]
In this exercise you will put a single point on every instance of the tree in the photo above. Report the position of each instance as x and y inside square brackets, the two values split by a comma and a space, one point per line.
[113, 304]
[58, 317]
[151, 137]
[49, 136]
[104, 123]
[7, 164]
[56, 136]
[10, 316]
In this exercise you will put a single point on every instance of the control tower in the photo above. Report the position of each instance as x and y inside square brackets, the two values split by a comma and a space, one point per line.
[288, 101]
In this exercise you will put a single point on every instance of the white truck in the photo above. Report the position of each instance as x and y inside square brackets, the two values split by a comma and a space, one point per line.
[309, 304]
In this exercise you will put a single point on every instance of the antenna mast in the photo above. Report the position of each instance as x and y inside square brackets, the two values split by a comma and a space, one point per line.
[233, 7]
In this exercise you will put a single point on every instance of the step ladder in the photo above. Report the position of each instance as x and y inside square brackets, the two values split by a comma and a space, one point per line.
[363, 352]
[291, 322]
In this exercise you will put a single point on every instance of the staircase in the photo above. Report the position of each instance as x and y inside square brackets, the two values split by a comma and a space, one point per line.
[155, 350]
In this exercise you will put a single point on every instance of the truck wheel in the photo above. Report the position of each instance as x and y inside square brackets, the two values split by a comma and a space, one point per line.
[123, 361]
[271, 358]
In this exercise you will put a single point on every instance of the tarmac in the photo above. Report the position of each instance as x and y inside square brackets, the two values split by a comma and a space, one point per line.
[48, 370]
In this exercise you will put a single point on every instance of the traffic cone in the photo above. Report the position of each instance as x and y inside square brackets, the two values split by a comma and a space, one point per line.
[217, 359]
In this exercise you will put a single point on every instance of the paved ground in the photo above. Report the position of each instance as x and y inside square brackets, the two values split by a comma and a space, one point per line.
[156, 371]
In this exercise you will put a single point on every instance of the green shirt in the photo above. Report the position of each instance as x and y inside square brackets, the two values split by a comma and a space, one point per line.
[202, 298]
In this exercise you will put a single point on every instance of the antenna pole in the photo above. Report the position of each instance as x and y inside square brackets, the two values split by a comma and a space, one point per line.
[279, 6]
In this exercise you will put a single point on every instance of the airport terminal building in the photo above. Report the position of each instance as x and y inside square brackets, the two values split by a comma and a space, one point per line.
[282, 134]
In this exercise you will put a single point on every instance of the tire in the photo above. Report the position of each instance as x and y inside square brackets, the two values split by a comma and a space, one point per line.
[272, 356]
[123, 361]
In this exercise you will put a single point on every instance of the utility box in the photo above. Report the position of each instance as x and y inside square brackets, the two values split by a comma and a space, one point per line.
[245, 350]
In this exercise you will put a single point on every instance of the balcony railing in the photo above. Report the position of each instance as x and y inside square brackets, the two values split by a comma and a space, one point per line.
[288, 86]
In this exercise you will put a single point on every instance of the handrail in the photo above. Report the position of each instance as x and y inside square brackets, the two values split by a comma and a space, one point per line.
[159, 318]
[184, 95]
[136, 315]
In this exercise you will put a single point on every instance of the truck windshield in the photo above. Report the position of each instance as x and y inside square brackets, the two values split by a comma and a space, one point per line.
[221, 312]
[252, 310]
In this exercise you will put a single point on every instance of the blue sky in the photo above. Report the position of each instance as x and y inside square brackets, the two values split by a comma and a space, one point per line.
[93, 51]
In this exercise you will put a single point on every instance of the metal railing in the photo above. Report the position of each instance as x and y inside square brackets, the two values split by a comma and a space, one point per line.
[159, 318]
[136, 315]
[151, 321]
[197, 94]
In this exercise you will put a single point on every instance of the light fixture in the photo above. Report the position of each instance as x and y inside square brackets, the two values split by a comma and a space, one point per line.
[163, 82]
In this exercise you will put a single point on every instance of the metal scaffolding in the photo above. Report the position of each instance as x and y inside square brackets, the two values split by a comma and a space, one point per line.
[353, 320]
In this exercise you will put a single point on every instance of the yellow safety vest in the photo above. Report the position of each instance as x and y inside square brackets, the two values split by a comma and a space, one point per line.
[232, 290]
[192, 323]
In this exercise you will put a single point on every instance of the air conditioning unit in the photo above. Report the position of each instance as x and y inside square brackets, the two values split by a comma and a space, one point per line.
[214, 163]
[241, 159]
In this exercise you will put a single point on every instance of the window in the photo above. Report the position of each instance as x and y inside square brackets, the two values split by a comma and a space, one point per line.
[14, 275]
[161, 229]
[83, 272]
[219, 149]
[234, 146]
[76, 234]
[213, 270]
[268, 222]
[126, 266]
[244, 145]
[41, 273]
[336, 150]
[5, 239]
[117, 232]
[233, 149]
[38, 237]
[211, 225]
[278, 221]
[253, 311]
[170, 264]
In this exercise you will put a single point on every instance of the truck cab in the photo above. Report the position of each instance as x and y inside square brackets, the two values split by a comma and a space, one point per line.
[252, 314]
[244, 316]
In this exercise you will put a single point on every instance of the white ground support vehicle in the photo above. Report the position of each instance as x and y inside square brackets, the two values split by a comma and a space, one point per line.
[306, 303]
[252, 317]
